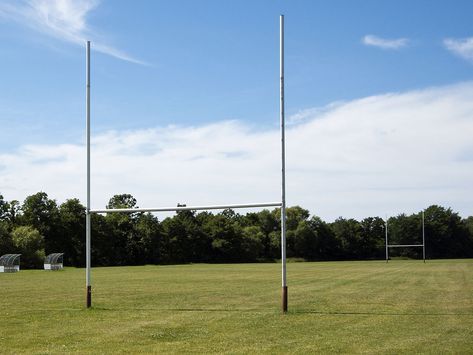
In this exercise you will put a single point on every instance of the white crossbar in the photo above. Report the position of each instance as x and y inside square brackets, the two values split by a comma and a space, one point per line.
[405, 246]
[186, 208]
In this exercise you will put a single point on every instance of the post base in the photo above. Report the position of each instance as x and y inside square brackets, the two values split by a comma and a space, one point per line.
[89, 296]
[284, 299]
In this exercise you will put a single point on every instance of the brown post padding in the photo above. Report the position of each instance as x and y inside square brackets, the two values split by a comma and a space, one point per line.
[284, 299]
[89, 296]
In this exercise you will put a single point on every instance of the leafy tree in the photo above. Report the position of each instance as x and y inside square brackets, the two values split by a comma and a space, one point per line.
[42, 213]
[404, 229]
[126, 244]
[3, 208]
[122, 201]
[5, 226]
[252, 243]
[9, 211]
[30, 244]
[185, 239]
[150, 232]
[6, 244]
[72, 222]
[317, 241]
[137, 238]
[469, 225]
[348, 235]
[226, 237]
[294, 216]
[274, 245]
[269, 225]
[103, 244]
[372, 238]
[446, 235]
[305, 242]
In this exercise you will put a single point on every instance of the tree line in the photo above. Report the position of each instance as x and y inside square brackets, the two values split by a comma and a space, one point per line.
[41, 226]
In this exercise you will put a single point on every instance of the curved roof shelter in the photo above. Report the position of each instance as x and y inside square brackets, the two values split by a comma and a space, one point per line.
[54, 258]
[10, 263]
[53, 261]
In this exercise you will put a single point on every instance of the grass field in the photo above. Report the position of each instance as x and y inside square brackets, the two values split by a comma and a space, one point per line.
[334, 307]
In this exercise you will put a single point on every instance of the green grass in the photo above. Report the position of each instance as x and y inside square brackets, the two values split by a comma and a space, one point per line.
[334, 307]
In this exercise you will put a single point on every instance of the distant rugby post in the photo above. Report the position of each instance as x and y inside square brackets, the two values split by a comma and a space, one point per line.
[405, 245]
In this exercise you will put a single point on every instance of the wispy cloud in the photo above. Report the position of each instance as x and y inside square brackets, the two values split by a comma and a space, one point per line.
[384, 43]
[373, 156]
[461, 47]
[63, 19]
[312, 113]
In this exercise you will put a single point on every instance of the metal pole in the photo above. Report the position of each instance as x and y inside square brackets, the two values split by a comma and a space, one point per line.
[386, 230]
[423, 236]
[404, 245]
[87, 212]
[283, 165]
[186, 208]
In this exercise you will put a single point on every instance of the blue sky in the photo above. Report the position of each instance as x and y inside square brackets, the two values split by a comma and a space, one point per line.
[201, 64]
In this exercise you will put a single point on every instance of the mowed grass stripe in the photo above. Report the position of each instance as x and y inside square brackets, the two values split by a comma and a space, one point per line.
[348, 307]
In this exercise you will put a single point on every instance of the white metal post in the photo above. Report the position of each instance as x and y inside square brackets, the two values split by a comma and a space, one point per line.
[423, 236]
[283, 165]
[87, 212]
[386, 230]
[186, 208]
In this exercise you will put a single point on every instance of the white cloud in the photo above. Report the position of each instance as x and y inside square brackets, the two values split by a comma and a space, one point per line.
[384, 43]
[311, 113]
[378, 155]
[62, 19]
[461, 47]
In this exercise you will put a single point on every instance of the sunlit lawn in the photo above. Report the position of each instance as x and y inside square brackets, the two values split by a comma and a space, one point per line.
[338, 307]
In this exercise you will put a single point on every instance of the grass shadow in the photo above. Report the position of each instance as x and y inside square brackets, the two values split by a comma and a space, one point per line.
[342, 313]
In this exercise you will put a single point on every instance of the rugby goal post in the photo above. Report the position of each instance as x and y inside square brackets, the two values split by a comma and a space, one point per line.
[405, 245]
[281, 203]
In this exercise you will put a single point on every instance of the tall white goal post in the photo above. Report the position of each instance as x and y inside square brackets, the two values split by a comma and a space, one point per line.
[281, 204]
[405, 245]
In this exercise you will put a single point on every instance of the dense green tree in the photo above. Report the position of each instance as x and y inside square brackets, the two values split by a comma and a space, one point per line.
[372, 244]
[28, 242]
[294, 216]
[405, 230]
[6, 245]
[42, 213]
[138, 238]
[151, 238]
[226, 236]
[445, 233]
[469, 225]
[305, 242]
[14, 210]
[252, 243]
[5, 226]
[9, 210]
[316, 241]
[3, 208]
[72, 230]
[122, 201]
[126, 246]
[184, 238]
[103, 242]
[348, 235]
[270, 227]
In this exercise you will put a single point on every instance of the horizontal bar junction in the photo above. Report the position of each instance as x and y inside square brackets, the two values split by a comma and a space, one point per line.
[186, 208]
